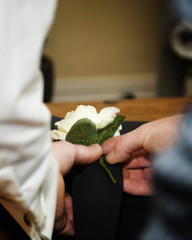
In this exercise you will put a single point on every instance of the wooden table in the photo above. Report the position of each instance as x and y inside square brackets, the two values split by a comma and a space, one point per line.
[134, 109]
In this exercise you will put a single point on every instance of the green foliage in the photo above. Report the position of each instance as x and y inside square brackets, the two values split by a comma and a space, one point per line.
[109, 131]
[82, 132]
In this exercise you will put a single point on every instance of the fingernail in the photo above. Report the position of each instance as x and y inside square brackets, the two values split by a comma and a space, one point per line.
[110, 156]
[96, 147]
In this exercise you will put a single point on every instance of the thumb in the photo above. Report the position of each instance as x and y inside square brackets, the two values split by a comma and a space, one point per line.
[126, 145]
[68, 154]
[87, 154]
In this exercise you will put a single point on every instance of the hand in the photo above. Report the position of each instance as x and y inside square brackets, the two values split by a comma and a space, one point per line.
[135, 149]
[67, 155]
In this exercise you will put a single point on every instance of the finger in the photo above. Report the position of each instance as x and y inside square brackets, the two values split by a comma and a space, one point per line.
[124, 147]
[64, 211]
[137, 163]
[60, 217]
[141, 187]
[87, 155]
[137, 174]
[138, 181]
[109, 144]
[69, 206]
[148, 173]
[139, 159]
[134, 174]
[67, 154]
[68, 229]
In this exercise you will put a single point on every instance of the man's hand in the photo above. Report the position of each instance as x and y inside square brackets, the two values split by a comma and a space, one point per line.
[67, 155]
[135, 148]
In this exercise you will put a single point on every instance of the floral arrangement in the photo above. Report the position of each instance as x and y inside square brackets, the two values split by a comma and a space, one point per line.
[85, 126]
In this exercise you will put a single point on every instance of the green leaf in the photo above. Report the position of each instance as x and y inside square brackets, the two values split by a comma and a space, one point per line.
[109, 131]
[82, 132]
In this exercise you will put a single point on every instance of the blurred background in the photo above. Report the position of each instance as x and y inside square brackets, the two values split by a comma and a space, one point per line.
[108, 50]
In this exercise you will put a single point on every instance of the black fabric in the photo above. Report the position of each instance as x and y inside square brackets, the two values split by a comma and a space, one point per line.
[101, 209]
[96, 202]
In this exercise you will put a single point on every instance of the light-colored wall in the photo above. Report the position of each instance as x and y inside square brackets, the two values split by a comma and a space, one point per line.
[104, 38]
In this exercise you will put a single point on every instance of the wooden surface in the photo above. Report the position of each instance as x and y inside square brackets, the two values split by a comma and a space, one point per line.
[134, 109]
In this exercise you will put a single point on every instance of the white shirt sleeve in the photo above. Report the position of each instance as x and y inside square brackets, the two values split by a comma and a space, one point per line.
[28, 170]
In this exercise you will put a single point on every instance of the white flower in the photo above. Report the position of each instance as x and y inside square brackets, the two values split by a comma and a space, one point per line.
[101, 119]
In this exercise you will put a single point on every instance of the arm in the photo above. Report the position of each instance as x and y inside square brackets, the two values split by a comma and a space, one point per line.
[29, 176]
[29, 172]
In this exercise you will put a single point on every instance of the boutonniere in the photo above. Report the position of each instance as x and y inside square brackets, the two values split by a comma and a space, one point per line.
[85, 126]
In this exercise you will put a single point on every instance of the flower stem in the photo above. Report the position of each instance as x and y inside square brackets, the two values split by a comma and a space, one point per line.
[101, 162]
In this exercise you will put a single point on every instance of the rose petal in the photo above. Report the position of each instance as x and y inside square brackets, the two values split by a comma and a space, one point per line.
[72, 117]
[58, 135]
[106, 116]
[117, 133]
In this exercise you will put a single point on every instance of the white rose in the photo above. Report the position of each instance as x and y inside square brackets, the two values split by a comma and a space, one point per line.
[101, 119]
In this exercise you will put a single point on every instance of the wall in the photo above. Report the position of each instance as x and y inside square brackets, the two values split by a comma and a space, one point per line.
[104, 37]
